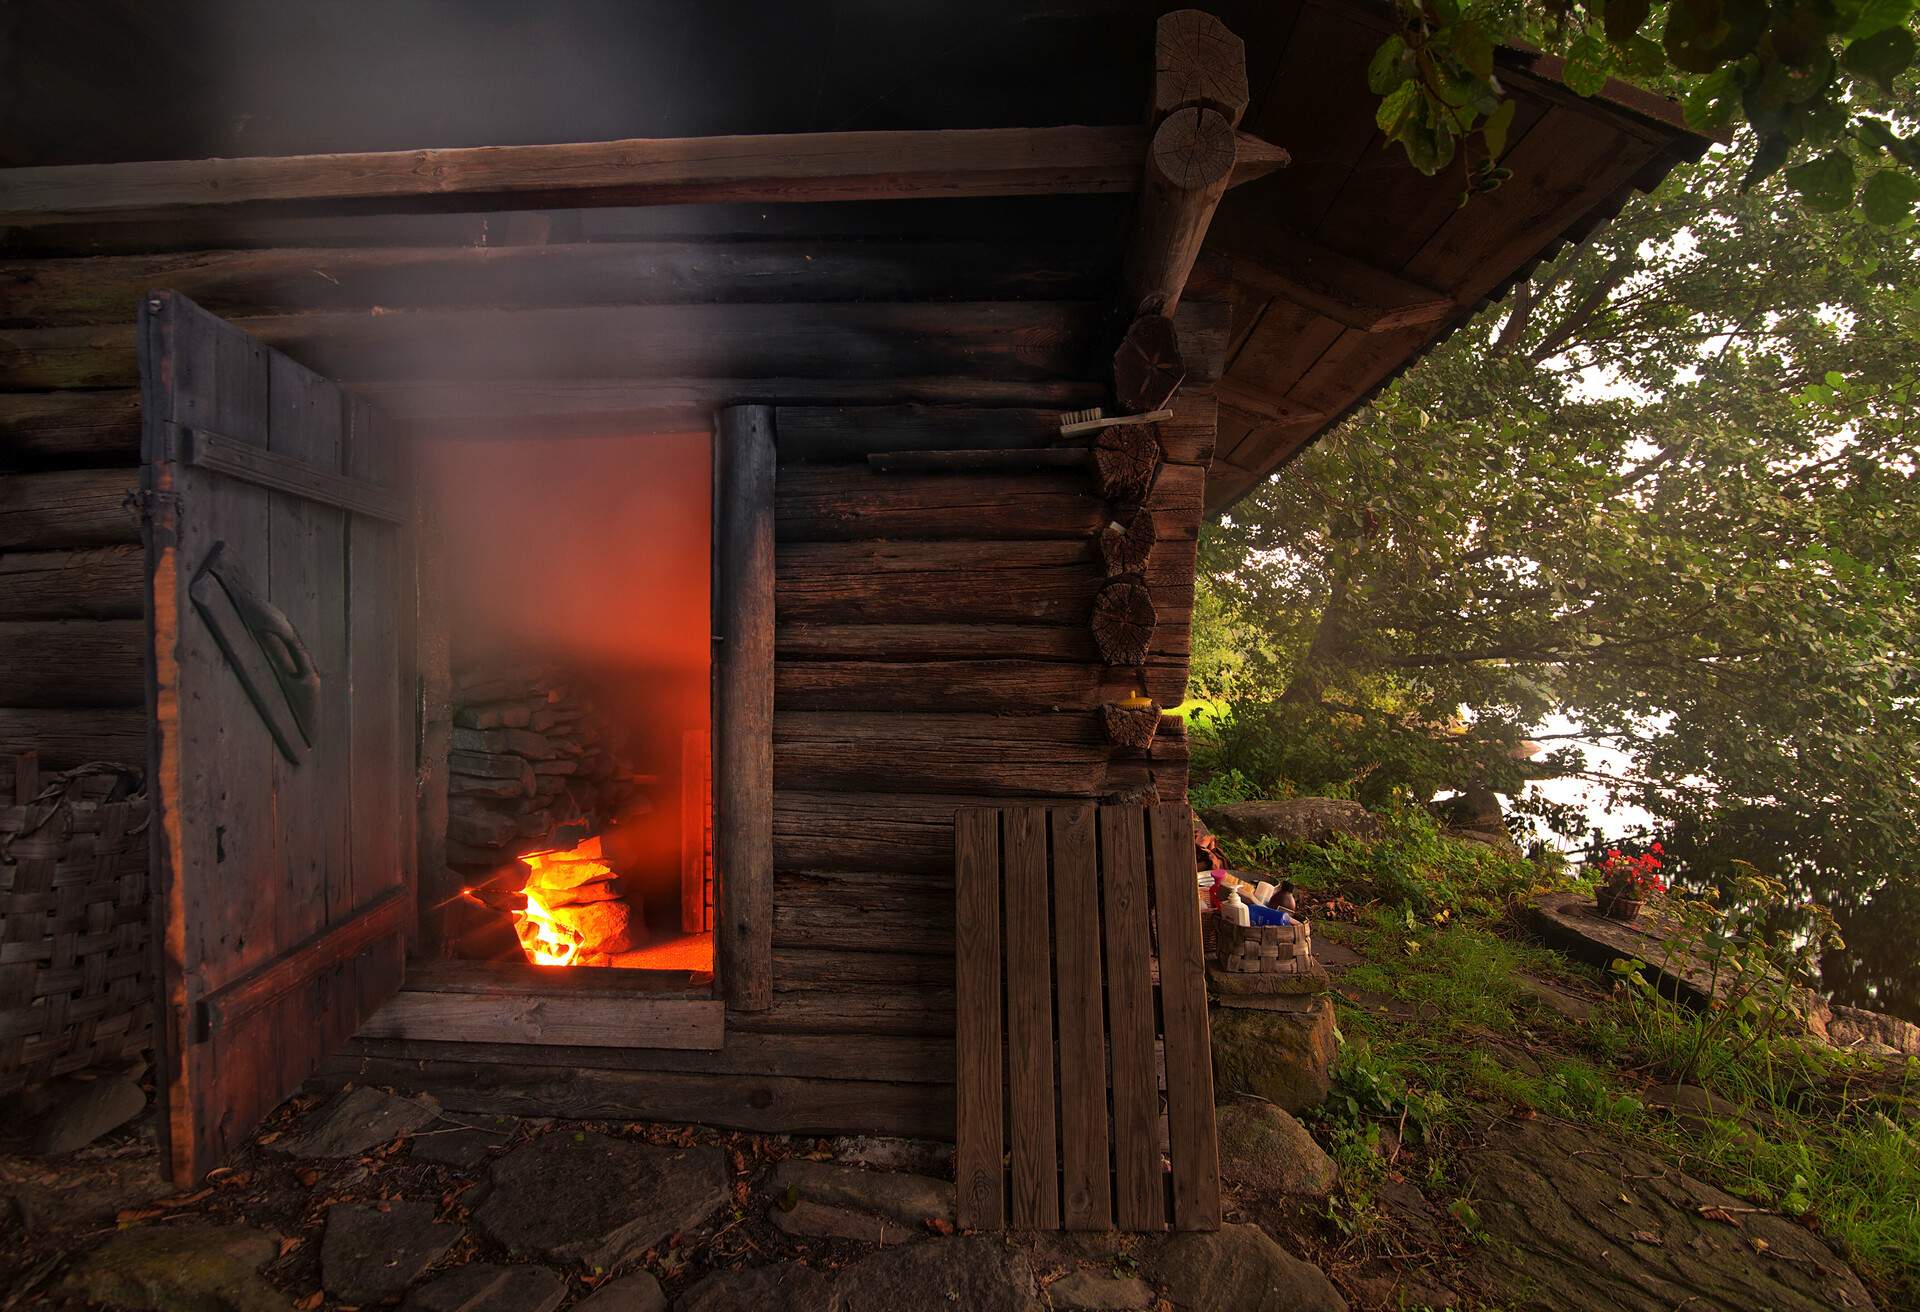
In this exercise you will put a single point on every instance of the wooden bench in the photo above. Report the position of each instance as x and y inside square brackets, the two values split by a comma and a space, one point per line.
[1059, 1061]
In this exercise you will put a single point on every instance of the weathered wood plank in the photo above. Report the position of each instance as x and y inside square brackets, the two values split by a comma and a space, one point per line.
[1006, 340]
[851, 1011]
[1086, 1196]
[857, 912]
[1004, 686]
[1139, 1194]
[1030, 1090]
[66, 738]
[557, 1016]
[1183, 1005]
[71, 426]
[743, 607]
[815, 166]
[797, 969]
[978, 1069]
[73, 663]
[817, 434]
[292, 279]
[68, 508]
[765, 1104]
[826, 503]
[955, 641]
[95, 583]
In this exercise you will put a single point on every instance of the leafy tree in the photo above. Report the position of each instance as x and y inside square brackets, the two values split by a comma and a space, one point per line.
[1669, 489]
[1813, 79]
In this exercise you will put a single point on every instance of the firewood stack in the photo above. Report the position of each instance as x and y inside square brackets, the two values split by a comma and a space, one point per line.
[531, 758]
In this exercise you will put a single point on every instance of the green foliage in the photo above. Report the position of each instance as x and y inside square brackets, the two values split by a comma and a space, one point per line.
[1414, 870]
[1811, 78]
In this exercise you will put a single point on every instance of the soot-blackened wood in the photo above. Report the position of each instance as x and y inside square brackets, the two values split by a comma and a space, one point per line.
[1123, 622]
[1086, 1178]
[1183, 1005]
[57, 663]
[989, 460]
[1139, 1197]
[67, 738]
[743, 603]
[68, 508]
[71, 426]
[1126, 462]
[94, 583]
[1126, 543]
[267, 873]
[1148, 368]
[979, 1112]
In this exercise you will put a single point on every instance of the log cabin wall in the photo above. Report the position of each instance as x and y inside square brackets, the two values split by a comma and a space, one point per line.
[932, 647]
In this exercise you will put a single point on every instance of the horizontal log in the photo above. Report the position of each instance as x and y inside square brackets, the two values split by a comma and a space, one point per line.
[76, 427]
[864, 911]
[244, 283]
[997, 686]
[98, 583]
[765, 1104]
[915, 1012]
[73, 663]
[1063, 755]
[555, 1015]
[66, 738]
[958, 641]
[907, 837]
[990, 460]
[879, 1057]
[1005, 340]
[825, 503]
[622, 407]
[826, 434]
[927, 582]
[801, 969]
[787, 167]
[68, 508]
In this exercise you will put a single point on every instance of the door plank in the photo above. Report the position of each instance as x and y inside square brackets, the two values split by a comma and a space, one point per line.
[979, 1110]
[1036, 1166]
[1136, 1095]
[1087, 1179]
[1183, 1002]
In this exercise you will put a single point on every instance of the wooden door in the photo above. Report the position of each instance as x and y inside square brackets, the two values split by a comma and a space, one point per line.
[281, 684]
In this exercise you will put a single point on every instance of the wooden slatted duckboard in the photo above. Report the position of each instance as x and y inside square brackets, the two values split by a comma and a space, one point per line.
[1060, 1118]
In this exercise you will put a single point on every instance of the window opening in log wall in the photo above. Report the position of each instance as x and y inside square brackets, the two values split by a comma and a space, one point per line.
[578, 575]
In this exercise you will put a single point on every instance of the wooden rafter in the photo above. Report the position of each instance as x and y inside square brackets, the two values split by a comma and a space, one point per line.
[812, 166]
[1349, 291]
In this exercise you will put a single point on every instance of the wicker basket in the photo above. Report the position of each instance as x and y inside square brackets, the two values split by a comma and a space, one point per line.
[1264, 949]
[75, 980]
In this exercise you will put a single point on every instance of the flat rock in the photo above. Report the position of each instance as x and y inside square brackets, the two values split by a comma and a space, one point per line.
[484, 1287]
[1263, 1148]
[1235, 984]
[1238, 1267]
[1587, 1230]
[1091, 1291]
[192, 1267]
[639, 1292]
[597, 1201]
[1295, 820]
[372, 1251]
[974, 1272]
[1692, 1103]
[65, 1115]
[466, 1147]
[895, 1195]
[788, 1287]
[1281, 1052]
[357, 1120]
[1569, 921]
[1858, 1029]
[1569, 1006]
[806, 1219]
[885, 1153]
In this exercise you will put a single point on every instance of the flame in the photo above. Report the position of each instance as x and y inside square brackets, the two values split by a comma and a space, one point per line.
[545, 941]
[543, 938]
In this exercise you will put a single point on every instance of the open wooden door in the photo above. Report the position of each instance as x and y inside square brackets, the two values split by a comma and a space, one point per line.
[281, 683]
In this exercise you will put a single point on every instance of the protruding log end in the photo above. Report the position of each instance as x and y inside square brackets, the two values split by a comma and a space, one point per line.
[1148, 368]
[1125, 461]
[1126, 543]
[1198, 61]
[1123, 620]
[1193, 151]
[1131, 727]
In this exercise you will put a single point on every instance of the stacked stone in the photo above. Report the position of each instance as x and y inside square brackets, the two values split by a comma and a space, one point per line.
[1265, 949]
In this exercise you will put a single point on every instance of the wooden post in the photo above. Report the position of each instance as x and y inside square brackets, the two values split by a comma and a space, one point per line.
[1199, 94]
[743, 713]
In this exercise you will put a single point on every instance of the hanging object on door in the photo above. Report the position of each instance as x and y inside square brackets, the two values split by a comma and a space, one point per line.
[263, 650]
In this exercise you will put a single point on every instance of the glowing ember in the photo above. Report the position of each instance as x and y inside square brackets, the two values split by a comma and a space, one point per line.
[574, 913]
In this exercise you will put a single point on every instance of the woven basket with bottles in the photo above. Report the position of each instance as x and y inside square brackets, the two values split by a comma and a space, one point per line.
[1264, 949]
[75, 986]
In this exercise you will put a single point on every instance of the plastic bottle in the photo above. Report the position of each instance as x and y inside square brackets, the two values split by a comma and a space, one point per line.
[1235, 910]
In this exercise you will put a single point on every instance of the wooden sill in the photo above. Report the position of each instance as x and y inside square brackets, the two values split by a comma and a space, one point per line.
[484, 1002]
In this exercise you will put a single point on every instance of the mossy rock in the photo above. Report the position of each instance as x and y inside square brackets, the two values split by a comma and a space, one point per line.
[1282, 1052]
[197, 1267]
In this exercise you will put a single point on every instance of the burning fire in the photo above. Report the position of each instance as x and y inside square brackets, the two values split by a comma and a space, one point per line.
[574, 913]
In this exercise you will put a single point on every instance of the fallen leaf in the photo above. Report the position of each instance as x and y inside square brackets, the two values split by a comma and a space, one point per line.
[307, 1176]
[939, 1225]
[740, 1193]
[1759, 1245]
[290, 1242]
[311, 1301]
[268, 1137]
[130, 1215]
[1649, 1237]
[1721, 1214]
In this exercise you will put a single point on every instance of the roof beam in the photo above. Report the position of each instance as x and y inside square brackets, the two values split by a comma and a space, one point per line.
[809, 166]
[1334, 285]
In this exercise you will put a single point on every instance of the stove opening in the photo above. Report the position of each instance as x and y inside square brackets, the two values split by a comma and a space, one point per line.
[579, 815]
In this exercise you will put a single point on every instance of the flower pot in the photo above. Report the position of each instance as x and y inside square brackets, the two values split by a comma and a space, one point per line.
[1619, 904]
